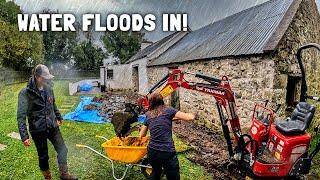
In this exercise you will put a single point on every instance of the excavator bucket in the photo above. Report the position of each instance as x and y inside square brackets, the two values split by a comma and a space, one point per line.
[122, 121]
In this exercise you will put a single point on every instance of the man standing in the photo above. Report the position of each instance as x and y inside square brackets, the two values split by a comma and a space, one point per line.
[37, 103]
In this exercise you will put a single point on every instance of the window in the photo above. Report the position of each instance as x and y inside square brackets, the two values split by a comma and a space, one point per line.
[109, 73]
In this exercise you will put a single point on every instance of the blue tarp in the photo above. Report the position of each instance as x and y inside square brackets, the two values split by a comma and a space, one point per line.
[91, 116]
[79, 114]
[141, 119]
[86, 86]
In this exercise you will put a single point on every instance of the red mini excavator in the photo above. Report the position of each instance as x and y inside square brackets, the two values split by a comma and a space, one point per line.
[271, 148]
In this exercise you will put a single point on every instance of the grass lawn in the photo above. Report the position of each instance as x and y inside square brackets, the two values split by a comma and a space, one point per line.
[18, 162]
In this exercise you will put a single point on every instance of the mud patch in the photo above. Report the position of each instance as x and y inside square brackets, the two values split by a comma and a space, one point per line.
[210, 149]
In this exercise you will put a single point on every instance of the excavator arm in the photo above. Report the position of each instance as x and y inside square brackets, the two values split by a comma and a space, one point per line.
[220, 89]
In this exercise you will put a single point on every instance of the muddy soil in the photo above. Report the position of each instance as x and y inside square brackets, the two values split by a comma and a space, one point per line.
[90, 107]
[120, 108]
[121, 122]
[129, 141]
[112, 102]
[209, 149]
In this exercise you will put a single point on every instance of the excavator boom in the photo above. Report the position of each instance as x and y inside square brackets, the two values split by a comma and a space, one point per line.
[220, 89]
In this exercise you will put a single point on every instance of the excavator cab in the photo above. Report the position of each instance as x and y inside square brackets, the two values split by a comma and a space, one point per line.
[287, 142]
[288, 152]
[270, 149]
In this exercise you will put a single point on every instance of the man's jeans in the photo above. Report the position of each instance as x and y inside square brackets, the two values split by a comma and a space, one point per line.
[40, 140]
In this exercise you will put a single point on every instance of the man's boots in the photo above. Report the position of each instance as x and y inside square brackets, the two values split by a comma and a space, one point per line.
[47, 175]
[64, 174]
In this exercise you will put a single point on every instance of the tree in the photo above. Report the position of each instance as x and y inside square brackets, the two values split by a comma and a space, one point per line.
[123, 44]
[9, 11]
[87, 56]
[18, 50]
[58, 45]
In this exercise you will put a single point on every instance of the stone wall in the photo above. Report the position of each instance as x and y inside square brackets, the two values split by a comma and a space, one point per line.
[155, 74]
[251, 78]
[305, 28]
[256, 79]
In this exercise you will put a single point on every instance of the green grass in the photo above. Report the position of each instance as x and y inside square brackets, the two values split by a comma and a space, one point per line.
[315, 169]
[18, 162]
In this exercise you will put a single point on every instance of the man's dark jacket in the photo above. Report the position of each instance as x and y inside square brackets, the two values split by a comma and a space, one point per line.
[42, 112]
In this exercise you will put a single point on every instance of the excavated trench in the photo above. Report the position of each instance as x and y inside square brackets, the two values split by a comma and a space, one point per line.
[208, 149]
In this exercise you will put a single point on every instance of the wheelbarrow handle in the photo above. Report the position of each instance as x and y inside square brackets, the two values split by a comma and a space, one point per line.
[92, 149]
[112, 165]
[102, 137]
[80, 146]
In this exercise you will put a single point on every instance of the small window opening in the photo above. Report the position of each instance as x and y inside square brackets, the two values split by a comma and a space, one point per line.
[110, 74]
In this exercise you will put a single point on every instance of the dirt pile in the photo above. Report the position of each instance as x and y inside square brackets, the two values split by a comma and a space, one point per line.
[90, 107]
[210, 149]
[112, 102]
[98, 99]
[129, 141]
[109, 103]
[119, 108]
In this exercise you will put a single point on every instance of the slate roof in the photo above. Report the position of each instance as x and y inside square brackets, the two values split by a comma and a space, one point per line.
[251, 31]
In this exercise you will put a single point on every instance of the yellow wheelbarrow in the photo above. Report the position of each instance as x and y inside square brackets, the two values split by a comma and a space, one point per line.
[129, 155]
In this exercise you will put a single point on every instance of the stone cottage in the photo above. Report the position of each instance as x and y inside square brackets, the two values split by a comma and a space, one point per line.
[133, 74]
[256, 49]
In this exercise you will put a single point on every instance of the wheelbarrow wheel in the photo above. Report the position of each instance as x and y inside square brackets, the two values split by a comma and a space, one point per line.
[146, 171]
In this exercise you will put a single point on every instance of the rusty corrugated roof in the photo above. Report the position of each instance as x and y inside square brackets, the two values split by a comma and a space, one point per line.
[244, 33]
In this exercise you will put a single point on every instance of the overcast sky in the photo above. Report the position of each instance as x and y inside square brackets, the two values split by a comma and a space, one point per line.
[200, 12]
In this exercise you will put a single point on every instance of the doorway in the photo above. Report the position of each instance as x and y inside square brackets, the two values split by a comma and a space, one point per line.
[292, 98]
[135, 78]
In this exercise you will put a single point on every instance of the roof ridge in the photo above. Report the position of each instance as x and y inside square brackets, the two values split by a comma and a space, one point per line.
[168, 37]
[282, 26]
[169, 40]
[240, 12]
[250, 31]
